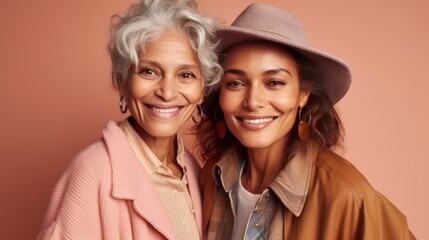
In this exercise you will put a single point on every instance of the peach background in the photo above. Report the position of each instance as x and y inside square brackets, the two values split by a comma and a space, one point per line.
[56, 95]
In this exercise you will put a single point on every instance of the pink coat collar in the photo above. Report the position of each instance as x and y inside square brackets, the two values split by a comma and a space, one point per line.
[130, 182]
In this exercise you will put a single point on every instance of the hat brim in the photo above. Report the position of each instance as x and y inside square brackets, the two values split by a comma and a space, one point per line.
[334, 72]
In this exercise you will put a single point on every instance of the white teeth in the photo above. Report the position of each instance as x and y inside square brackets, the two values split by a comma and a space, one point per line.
[165, 110]
[257, 121]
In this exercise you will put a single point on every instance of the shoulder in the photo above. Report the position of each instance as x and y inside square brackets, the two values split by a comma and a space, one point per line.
[92, 165]
[339, 167]
[341, 175]
[345, 181]
[93, 160]
[86, 173]
[76, 194]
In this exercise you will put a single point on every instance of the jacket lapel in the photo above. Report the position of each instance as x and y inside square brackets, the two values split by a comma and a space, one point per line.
[130, 181]
[292, 183]
[193, 173]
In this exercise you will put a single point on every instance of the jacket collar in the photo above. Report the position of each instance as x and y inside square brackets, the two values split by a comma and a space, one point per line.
[130, 182]
[290, 185]
[292, 182]
[227, 170]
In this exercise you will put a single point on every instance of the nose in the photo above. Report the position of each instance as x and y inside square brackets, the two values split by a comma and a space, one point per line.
[167, 88]
[255, 98]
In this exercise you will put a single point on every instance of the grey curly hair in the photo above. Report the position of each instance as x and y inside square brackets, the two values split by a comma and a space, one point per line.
[147, 20]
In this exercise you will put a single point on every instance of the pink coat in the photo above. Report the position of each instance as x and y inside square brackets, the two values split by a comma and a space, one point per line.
[106, 194]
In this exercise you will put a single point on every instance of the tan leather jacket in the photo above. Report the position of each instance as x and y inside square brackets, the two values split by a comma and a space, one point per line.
[317, 195]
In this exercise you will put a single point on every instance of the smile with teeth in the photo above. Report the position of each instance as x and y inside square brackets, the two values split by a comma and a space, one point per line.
[257, 121]
[164, 110]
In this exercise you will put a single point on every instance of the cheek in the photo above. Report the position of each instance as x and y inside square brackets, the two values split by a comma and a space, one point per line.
[288, 108]
[285, 101]
[193, 93]
[284, 105]
[137, 89]
[227, 102]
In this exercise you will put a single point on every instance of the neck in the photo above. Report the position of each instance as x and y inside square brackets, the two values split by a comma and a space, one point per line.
[263, 166]
[164, 148]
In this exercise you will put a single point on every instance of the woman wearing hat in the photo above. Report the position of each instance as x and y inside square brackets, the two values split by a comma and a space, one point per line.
[271, 173]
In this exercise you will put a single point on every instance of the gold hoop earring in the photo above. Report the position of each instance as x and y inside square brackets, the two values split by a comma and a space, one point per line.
[201, 113]
[303, 127]
[121, 105]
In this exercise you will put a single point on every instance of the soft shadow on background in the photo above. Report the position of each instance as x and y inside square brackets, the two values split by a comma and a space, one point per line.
[56, 95]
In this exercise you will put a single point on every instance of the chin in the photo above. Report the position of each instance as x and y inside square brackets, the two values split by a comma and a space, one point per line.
[255, 144]
[163, 134]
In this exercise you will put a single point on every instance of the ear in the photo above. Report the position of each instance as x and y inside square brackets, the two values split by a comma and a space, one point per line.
[120, 83]
[304, 95]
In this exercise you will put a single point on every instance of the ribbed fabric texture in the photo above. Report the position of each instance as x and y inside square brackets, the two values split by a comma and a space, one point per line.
[106, 194]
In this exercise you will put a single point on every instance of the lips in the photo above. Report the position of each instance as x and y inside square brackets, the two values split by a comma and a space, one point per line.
[163, 110]
[257, 121]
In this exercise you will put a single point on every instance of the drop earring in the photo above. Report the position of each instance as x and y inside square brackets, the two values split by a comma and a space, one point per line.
[303, 127]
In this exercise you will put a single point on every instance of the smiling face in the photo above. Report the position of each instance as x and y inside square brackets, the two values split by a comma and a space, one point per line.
[166, 86]
[260, 93]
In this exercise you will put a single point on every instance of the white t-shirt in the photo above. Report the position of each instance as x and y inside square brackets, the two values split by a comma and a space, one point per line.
[246, 202]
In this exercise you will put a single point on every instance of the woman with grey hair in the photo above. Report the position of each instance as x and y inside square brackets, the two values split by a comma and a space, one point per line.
[138, 181]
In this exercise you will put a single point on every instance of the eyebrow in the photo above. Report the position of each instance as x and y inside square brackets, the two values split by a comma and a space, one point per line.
[148, 62]
[234, 71]
[268, 72]
[276, 71]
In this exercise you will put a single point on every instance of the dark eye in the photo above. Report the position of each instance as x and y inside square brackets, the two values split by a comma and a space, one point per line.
[234, 83]
[276, 83]
[187, 75]
[147, 71]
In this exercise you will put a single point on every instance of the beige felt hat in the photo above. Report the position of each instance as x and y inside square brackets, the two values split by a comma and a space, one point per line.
[266, 22]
